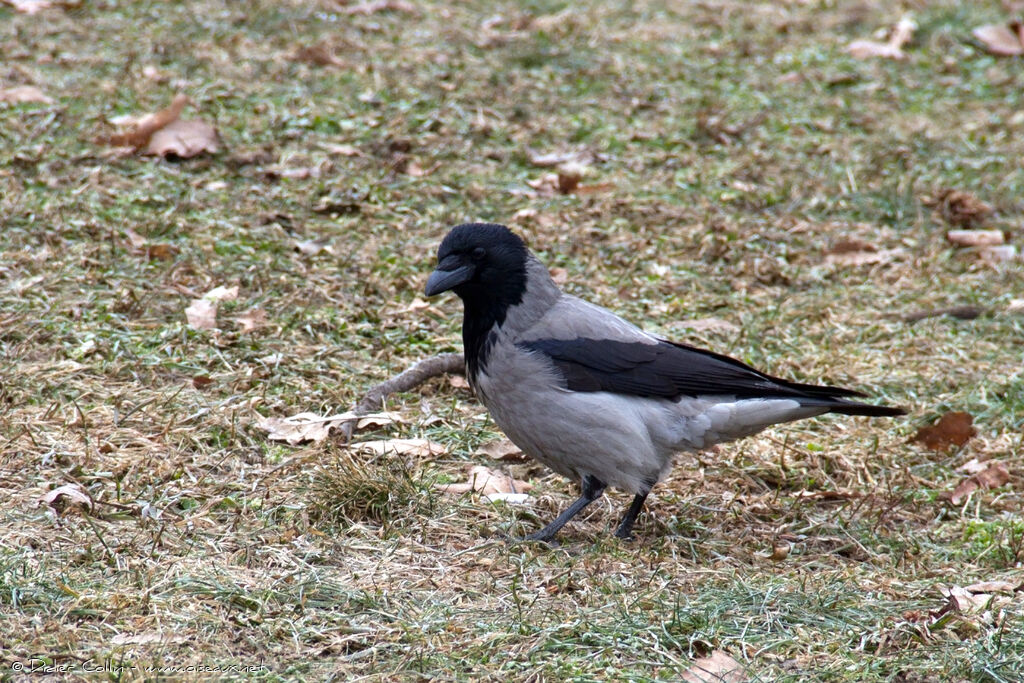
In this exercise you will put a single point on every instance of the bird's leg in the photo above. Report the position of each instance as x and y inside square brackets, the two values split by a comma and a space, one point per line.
[591, 490]
[625, 529]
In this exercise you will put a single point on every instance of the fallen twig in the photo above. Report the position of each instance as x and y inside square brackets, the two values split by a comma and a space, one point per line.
[445, 363]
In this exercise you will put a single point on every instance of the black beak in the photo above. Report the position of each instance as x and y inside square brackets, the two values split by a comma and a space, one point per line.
[443, 280]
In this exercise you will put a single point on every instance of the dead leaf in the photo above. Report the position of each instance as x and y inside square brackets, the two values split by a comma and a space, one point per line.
[963, 600]
[136, 638]
[222, 293]
[252, 320]
[998, 254]
[161, 252]
[141, 246]
[342, 150]
[312, 427]
[708, 325]
[891, 49]
[201, 314]
[1005, 40]
[847, 245]
[486, 481]
[184, 139]
[995, 587]
[413, 447]
[29, 6]
[952, 429]
[559, 275]
[67, 496]
[718, 667]
[958, 207]
[144, 127]
[458, 382]
[314, 246]
[137, 240]
[972, 466]
[975, 238]
[374, 6]
[780, 551]
[201, 381]
[502, 449]
[320, 54]
[863, 258]
[993, 476]
[581, 157]
[24, 94]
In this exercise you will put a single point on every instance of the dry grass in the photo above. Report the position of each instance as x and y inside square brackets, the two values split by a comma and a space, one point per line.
[738, 145]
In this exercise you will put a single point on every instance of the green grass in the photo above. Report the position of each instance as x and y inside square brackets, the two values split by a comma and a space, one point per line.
[738, 143]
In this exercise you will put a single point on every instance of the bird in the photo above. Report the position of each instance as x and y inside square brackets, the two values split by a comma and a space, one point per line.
[592, 396]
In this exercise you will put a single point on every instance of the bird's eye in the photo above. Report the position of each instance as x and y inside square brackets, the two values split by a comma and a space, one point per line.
[479, 253]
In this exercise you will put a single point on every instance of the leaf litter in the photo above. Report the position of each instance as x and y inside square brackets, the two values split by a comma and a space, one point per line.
[892, 48]
[164, 133]
[303, 427]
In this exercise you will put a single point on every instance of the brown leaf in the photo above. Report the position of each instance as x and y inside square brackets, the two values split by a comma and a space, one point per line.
[959, 207]
[975, 238]
[780, 551]
[201, 381]
[161, 252]
[414, 447]
[252, 319]
[718, 667]
[374, 6]
[952, 429]
[67, 496]
[1005, 40]
[320, 54]
[559, 275]
[846, 245]
[312, 427]
[891, 49]
[487, 481]
[145, 127]
[184, 139]
[502, 449]
[458, 382]
[202, 314]
[23, 94]
[993, 476]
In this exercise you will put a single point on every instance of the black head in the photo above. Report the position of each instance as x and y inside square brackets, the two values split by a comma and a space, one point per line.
[484, 263]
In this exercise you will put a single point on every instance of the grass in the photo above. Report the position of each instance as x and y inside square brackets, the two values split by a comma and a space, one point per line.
[738, 144]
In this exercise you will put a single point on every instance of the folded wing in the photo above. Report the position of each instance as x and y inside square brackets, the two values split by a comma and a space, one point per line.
[664, 369]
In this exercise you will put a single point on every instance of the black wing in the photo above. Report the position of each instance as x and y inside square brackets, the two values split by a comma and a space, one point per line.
[669, 370]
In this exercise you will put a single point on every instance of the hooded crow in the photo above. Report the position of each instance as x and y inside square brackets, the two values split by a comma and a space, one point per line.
[591, 395]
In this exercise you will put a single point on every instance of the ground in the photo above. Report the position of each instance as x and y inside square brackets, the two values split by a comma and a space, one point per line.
[738, 166]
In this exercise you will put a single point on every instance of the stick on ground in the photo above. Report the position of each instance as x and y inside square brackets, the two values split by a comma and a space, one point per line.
[445, 363]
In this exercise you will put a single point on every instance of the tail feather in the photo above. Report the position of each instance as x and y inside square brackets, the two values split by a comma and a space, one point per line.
[853, 408]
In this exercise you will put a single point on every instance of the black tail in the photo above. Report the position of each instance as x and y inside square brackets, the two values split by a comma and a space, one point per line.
[837, 400]
[851, 408]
